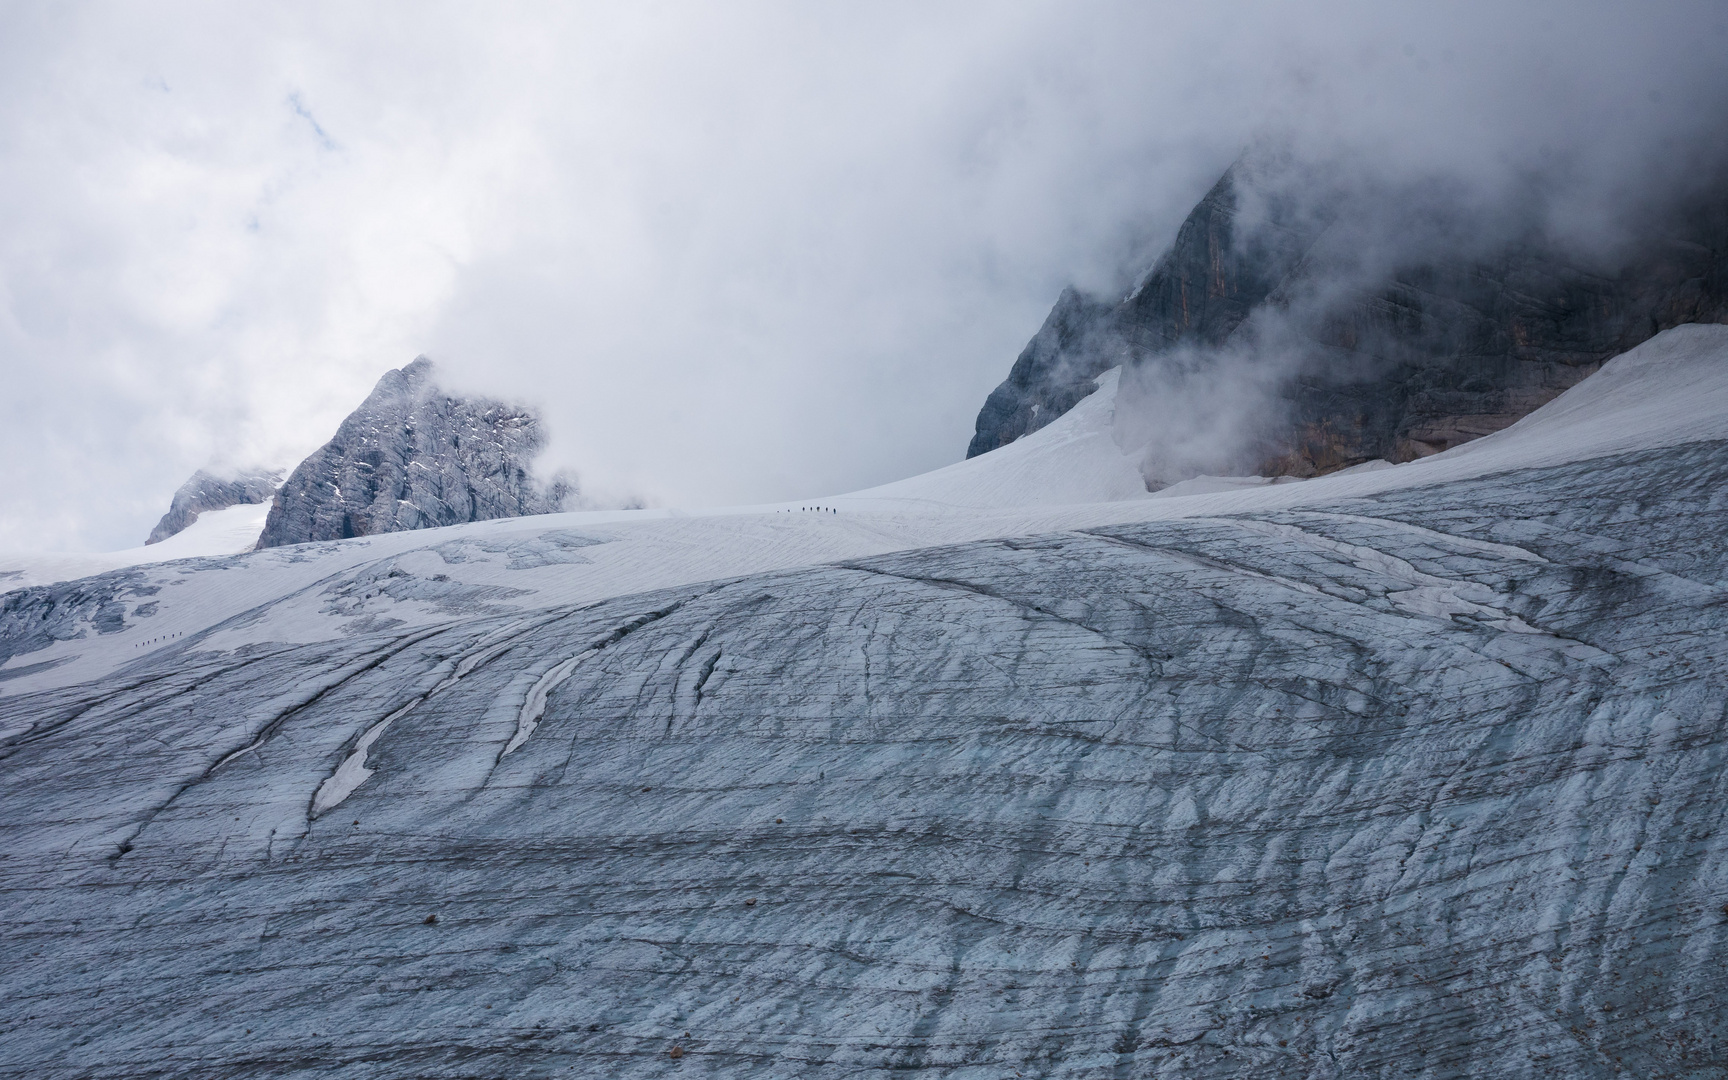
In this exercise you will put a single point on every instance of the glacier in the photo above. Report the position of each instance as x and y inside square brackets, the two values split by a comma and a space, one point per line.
[1411, 771]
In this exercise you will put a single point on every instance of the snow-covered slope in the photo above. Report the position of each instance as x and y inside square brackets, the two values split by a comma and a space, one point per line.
[228, 531]
[1665, 392]
[1671, 390]
[1415, 771]
[1074, 459]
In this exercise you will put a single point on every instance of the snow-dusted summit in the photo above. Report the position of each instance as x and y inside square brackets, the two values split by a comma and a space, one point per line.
[413, 457]
[207, 491]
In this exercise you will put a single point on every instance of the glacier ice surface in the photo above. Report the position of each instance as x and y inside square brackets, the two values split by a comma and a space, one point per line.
[1417, 772]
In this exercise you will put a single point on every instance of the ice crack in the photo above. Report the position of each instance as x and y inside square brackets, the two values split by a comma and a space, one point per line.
[1434, 597]
[353, 771]
[535, 705]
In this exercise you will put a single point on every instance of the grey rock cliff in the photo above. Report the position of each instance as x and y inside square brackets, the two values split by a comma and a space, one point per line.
[208, 491]
[412, 457]
[1433, 784]
[1446, 343]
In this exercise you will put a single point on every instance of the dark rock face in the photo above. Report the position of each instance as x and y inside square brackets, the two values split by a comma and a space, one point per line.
[1052, 373]
[1395, 363]
[411, 457]
[206, 491]
[1427, 784]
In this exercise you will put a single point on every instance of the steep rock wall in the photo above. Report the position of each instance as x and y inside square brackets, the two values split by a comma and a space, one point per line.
[1395, 363]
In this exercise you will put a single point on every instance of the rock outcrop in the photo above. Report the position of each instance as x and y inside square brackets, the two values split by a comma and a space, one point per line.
[412, 457]
[208, 491]
[1444, 343]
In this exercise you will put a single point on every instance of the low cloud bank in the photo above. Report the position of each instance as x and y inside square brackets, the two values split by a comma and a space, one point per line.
[735, 253]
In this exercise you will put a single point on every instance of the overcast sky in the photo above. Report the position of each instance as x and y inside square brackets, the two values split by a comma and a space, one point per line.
[734, 252]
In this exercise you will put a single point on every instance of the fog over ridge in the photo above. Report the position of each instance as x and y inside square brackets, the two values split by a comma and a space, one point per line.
[742, 254]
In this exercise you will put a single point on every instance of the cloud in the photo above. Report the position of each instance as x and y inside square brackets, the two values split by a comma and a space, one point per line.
[733, 252]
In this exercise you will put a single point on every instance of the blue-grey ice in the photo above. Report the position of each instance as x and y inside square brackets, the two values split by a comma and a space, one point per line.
[1416, 771]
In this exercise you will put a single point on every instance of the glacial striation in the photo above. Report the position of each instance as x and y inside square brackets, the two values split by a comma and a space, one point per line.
[1430, 783]
[1381, 333]
[413, 457]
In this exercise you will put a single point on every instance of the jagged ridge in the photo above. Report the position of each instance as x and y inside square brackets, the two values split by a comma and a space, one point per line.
[207, 491]
[1429, 355]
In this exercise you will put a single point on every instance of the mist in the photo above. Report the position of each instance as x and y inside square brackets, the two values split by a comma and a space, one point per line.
[732, 253]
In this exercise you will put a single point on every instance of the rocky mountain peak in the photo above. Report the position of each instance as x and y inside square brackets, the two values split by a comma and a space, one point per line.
[212, 491]
[1373, 325]
[414, 457]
